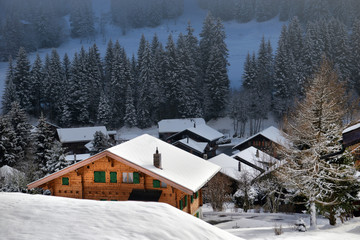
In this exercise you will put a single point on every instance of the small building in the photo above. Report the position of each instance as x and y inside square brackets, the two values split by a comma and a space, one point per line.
[142, 169]
[199, 149]
[199, 133]
[75, 139]
[267, 141]
[351, 141]
[168, 127]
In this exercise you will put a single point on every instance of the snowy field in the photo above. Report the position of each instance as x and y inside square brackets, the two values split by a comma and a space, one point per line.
[241, 38]
[25, 216]
[260, 226]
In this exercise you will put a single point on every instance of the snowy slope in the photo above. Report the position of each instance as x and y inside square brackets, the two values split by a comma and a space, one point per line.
[241, 38]
[39, 217]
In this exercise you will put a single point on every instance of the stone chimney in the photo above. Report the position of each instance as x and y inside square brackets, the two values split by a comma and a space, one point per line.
[157, 159]
[257, 153]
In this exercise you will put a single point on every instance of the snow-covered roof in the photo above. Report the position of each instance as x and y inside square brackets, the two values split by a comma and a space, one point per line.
[178, 125]
[230, 166]
[180, 168]
[349, 129]
[271, 133]
[206, 132]
[83, 134]
[77, 157]
[198, 146]
[256, 157]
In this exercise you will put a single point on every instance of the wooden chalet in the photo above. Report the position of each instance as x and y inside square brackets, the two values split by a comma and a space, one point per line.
[267, 141]
[75, 140]
[142, 169]
[201, 134]
[169, 127]
[351, 141]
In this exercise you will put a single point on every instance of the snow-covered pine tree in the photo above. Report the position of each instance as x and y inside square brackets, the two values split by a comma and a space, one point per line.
[314, 129]
[20, 129]
[22, 79]
[130, 118]
[7, 140]
[100, 142]
[355, 56]
[104, 112]
[10, 94]
[147, 97]
[108, 63]
[55, 158]
[37, 87]
[43, 141]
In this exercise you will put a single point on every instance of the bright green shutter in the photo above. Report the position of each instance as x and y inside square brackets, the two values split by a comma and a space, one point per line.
[156, 183]
[186, 200]
[113, 177]
[65, 181]
[99, 176]
[136, 177]
[196, 194]
[181, 205]
[192, 199]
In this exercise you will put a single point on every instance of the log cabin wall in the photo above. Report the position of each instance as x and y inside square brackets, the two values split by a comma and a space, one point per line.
[82, 183]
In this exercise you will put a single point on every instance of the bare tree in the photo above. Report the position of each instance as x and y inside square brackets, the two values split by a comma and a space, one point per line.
[218, 191]
[315, 128]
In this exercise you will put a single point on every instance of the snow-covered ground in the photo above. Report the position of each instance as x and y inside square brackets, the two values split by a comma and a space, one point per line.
[260, 226]
[241, 38]
[25, 216]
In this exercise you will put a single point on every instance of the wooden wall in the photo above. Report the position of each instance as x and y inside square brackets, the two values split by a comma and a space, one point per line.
[82, 185]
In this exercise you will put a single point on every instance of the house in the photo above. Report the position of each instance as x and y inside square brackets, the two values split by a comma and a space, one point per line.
[199, 149]
[75, 139]
[199, 133]
[267, 141]
[143, 169]
[168, 127]
[351, 141]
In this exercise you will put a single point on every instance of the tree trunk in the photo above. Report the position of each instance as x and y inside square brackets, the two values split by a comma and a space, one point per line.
[313, 222]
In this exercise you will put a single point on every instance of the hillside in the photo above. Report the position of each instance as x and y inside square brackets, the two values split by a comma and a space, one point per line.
[26, 216]
[241, 38]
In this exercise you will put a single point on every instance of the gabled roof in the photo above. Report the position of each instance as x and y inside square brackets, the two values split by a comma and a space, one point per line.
[178, 125]
[77, 157]
[203, 131]
[351, 128]
[256, 157]
[82, 134]
[271, 133]
[180, 169]
[197, 146]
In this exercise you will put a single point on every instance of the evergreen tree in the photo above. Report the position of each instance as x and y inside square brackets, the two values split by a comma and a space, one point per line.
[43, 141]
[130, 118]
[37, 86]
[100, 142]
[355, 56]
[82, 19]
[104, 113]
[10, 94]
[22, 79]
[56, 158]
[7, 143]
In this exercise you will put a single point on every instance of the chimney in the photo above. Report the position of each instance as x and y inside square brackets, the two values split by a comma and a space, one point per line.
[257, 153]
[157, 159]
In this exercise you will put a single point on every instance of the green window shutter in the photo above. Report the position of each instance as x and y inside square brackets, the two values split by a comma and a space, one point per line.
[196, 194]
[136, 177]
[197, 214]
[65, 181]
[113, 177]
[181, 205]
[99, 177]
[156, 183]
[186, 200]
[192, 199]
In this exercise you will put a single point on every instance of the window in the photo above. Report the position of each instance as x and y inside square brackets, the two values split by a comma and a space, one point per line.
[156, 183]
[65, 181]
[99, 177]
[113, 177]
[163, 185]
[136, 177]
[128, 177]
